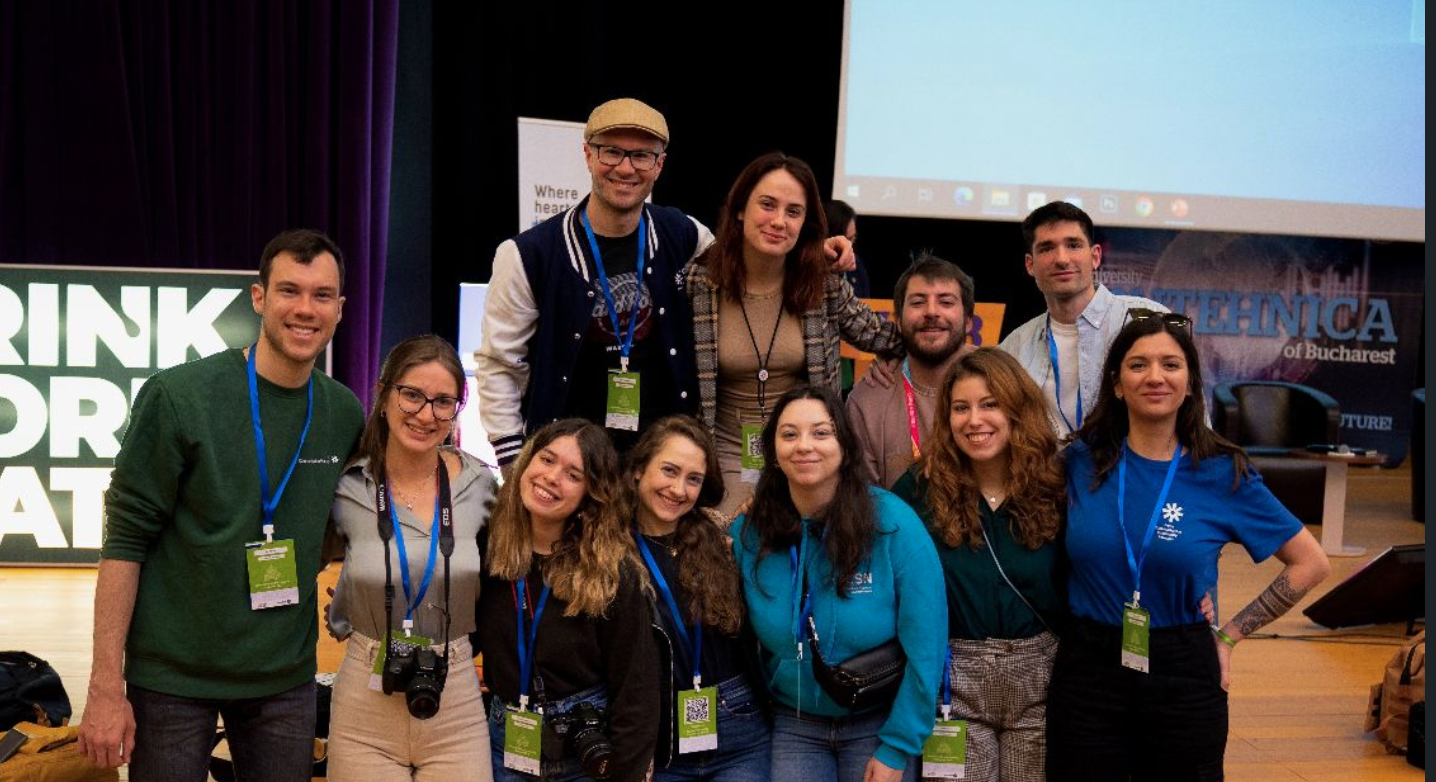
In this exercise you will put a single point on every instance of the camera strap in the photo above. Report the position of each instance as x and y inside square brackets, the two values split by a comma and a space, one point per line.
[442, 542]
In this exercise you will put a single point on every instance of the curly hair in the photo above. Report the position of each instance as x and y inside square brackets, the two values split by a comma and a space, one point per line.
[583, 569]
[774, 523]
[706, 570]
[1106, 427]
[805, 270]
[1036, 487]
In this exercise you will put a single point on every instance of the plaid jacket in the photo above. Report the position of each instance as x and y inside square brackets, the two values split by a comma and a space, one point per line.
[840, 314]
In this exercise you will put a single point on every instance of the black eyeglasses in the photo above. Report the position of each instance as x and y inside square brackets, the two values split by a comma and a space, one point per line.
[1173, 319]
[642, 159]
[412, 400]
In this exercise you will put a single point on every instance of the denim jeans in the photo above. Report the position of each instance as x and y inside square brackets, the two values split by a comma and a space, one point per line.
[271, 739]
[744, 751]
[566, 770]
[814, 748]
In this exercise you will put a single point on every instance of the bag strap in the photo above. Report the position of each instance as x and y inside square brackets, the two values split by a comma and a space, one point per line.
[1003, 573]
[1410, 654]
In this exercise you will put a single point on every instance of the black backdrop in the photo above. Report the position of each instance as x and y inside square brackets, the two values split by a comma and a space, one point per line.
[745, 78]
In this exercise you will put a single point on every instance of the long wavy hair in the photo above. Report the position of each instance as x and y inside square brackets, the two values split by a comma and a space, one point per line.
[773, 522]
[412, 352]
[583, 569]
[706, 570]
[1106, 427]
[804, 270]
[1035, 485]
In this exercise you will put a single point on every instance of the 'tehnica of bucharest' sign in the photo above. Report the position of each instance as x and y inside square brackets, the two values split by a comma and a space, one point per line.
[76, 343]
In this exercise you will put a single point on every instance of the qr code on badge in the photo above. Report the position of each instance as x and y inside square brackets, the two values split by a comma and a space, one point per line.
[755, 444]
[695, 710]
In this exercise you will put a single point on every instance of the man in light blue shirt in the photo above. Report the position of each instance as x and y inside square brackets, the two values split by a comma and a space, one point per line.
[1063, 348]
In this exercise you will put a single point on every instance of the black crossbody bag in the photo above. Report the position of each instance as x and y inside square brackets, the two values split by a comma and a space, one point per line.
[864, 681]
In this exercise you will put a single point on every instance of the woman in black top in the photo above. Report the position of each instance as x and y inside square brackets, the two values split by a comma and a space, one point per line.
[718, 728]
[563, 622]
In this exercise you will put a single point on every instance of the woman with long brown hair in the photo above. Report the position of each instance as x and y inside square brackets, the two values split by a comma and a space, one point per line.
[1139, 688]
[675, 482]
[991, 490]
[563, 622]
[388, 522]
[832, 563]
[767, 313]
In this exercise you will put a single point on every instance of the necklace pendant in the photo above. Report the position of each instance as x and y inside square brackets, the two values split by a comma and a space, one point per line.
[763, 375]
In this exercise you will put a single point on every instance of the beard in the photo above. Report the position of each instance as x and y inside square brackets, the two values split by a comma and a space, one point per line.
[932, 356]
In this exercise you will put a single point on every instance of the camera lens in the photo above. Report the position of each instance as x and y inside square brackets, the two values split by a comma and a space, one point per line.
[423, 697]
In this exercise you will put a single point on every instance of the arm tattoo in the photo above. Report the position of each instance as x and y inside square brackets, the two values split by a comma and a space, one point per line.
[1270, 604]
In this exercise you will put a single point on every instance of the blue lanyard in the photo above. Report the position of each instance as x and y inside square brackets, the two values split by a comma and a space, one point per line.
[1134, 564]
[414, 601]
[526, 646]
[799, 564]
[625, 343]
[947, 685]
[697, 642]
[267, 503]
[1057, 381]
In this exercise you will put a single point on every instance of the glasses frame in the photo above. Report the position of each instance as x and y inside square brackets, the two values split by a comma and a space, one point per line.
[1174, 319]
[428, 400]
[627, 154]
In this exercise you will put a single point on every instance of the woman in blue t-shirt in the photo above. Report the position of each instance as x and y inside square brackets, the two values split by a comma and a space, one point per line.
[1139, 686]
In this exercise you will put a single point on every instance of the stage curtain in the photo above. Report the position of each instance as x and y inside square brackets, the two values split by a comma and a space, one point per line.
[187, 133]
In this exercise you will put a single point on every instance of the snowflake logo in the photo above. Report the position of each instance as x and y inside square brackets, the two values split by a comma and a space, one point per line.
[1171, 513]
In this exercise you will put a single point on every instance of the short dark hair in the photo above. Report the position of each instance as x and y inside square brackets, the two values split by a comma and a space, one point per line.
[1055, 212]
[305, 244]
[840, 213]
[930, 267]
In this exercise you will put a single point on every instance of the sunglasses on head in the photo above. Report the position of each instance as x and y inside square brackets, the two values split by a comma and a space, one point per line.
[1173, 319]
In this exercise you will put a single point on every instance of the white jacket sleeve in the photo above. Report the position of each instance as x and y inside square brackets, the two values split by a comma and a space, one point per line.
[510, 320]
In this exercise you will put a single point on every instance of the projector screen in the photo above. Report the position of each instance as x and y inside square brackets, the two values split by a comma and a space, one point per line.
[1282, 117]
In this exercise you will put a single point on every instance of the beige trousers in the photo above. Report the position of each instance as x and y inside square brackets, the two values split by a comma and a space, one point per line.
[372, 737]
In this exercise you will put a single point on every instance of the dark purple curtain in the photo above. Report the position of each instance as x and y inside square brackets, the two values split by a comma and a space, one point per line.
[186, 134]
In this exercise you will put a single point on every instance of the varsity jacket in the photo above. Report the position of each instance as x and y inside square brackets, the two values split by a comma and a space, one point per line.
[539, 305]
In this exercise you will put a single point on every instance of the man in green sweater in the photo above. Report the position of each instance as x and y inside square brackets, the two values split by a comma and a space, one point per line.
[206, 601]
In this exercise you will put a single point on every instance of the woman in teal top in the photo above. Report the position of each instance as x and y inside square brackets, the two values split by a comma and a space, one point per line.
[991, 490]
[817, 528]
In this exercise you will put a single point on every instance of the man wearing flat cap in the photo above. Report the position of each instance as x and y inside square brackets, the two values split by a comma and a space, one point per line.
[586, 314]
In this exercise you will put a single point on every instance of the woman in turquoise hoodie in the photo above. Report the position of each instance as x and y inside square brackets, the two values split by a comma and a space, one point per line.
[870, 573]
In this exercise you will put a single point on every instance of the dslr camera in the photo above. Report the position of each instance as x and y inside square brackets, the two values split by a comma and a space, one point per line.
[419, 673]
[583, 730]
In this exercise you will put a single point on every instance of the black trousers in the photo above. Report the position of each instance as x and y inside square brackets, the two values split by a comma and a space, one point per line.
[1106, 723]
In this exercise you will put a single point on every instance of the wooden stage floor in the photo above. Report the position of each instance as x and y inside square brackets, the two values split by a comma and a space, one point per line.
[1297, 700]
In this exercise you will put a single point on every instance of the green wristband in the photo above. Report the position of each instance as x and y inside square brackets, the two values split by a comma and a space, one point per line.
[1226, 639]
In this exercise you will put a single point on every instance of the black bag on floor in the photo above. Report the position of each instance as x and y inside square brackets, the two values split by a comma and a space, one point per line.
[30, 691]
[1416, 736]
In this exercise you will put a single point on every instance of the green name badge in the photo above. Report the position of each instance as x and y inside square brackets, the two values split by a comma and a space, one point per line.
[523, 735]
[1136, 632]
[376, 674]
[273, 575]
[622, 401]
[751, 459]
[944, 754]
[697, 720]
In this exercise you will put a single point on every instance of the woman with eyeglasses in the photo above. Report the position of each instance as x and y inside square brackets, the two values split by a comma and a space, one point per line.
[406, 518]
[1139, 688]
[832, 564]
[563, 621]
[712, 670]
[768, 315]
[991, 490]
